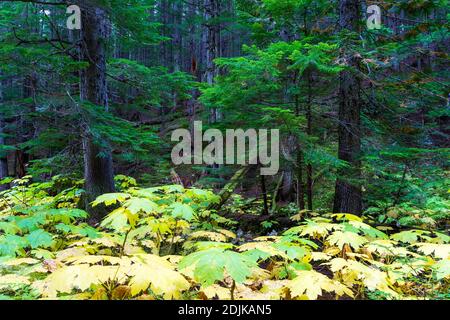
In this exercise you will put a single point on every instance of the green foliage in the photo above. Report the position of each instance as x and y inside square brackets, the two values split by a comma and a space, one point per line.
[153, 243]
[210, 265]
[277, 67]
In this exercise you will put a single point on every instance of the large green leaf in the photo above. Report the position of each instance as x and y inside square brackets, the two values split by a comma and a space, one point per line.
[183, 211]
[209, 265]
[40, 239]
[111, 198]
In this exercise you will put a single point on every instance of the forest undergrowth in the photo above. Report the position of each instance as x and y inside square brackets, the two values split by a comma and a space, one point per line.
[164, 243]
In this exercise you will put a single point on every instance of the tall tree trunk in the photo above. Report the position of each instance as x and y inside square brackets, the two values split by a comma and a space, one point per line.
[212, 41]
[177, 36]
[348, 196]
[309, 168]
[3, 155]
[164, 12]
[177, 43]
[288, 147]
[213, 50]
[193, 59]
[300, 185]
[25, 129]
[98, 165]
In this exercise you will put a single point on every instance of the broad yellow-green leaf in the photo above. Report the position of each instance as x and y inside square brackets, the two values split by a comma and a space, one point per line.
[227, 233]
[111, 198]
[11, 280]
[353, 272]
[293, 251]
[206, 245]
[70, 252]
[124, 261]
[442, 269]
[382, 247]
[274, 289]
[438, 250]
[81, 277]
[441, 238]
[213, 236]
[59, 281]
[176, 188]
[137, 205]
[40, 239]
[411, 236]
[238, 266]
[320, 256]
[67, 215]
[183, 211]
[314, 229]
[266, 247]
[90, 275]
[117, 220]
[202, 195]
[366, 229]
[347, 217]
[108, 240]
[312, 284]
[216, 292]
[257, 255]
[210, 265]
[340, 239]
[158, 274]
[9, 227]
[401, 270]
[140, 232]
[42, 254]
[18, 262]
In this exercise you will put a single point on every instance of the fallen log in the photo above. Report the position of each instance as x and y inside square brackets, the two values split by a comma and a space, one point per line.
[229, 188]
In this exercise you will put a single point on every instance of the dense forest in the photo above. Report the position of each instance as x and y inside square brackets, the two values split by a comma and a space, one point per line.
[315, 163]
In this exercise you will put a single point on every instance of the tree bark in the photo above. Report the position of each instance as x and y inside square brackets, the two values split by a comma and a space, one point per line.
[3, 155]
[309, 168]
[300, 184]
[348, 196]
[177, 36]
[212, 40]
[213, 50]
[98, 165]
